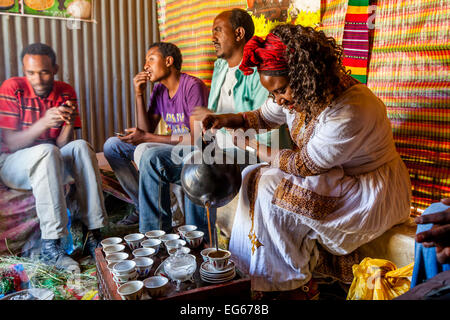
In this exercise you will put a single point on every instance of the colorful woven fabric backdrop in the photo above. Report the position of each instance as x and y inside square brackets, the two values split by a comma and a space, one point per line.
[409, 70]
[356, 39]
[347, 22]
[188, 24]
[332, 18]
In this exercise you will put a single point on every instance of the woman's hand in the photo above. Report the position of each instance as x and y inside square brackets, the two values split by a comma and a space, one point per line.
[218, 121]
[212, 121]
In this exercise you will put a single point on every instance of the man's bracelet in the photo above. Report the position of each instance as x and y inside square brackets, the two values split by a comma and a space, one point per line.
[244, 116]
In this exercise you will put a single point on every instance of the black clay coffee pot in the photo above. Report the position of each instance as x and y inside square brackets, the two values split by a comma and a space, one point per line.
[208, 177]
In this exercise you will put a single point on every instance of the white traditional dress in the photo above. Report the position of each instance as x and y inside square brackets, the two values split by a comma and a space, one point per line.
[342, 187]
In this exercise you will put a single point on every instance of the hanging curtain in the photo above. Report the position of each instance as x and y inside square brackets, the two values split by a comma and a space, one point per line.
[356, 39]
[409, 70]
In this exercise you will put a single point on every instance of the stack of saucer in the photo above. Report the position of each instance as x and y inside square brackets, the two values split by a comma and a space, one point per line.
[211, 275]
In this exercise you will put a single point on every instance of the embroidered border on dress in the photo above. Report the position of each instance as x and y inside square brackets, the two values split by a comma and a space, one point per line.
[256, 120]
[281, 160]
[303, 201]
[297, 125]
[299, 162]
[309, 130]
[296, 162]
[252, 193]
[309, 168]
[337, 267]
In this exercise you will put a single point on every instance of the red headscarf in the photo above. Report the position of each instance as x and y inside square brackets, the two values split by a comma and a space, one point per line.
[267, 55]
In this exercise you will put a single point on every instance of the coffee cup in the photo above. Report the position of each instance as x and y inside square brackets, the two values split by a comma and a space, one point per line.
[219, 258]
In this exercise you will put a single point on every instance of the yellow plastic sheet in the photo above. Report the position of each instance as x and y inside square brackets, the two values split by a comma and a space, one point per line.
[379, 279]
[90, 295]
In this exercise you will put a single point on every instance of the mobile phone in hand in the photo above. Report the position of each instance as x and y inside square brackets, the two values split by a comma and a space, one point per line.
[120, 134]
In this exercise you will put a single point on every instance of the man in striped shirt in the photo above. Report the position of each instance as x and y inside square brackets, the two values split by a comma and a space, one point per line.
[38, 116]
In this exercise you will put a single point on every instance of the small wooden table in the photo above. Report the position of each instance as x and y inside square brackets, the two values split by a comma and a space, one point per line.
[238, 288]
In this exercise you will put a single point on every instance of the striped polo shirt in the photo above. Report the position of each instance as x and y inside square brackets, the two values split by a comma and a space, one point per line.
[20, 107]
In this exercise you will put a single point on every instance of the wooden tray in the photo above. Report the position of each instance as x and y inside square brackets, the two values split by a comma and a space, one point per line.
[238, 288]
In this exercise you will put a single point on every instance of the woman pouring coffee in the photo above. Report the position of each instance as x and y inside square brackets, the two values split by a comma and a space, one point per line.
[343, 184]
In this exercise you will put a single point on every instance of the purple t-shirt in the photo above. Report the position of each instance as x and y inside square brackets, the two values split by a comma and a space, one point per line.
[191, 93]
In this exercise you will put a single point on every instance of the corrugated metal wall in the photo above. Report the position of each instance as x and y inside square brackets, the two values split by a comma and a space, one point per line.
[99, 59]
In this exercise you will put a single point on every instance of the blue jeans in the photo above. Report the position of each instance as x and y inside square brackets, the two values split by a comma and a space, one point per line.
[45, 169]
[120, 156]
[158, 168]
[426, 265]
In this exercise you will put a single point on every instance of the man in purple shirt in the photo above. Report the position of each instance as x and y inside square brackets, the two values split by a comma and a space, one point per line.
[173, 99]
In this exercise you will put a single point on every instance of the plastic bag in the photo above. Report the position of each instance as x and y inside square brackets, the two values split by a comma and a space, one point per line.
[67, 241]
[13, 279]
[379, 279]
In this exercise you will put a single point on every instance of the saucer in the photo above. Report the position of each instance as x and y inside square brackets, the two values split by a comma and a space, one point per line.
[211, 280]
[216, 275]
[230, 276]
[208, 268]
[217, 281]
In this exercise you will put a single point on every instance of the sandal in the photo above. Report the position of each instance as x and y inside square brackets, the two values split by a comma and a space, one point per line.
[132, 218]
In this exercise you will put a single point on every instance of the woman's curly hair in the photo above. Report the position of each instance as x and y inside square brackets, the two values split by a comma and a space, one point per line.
[315, 66]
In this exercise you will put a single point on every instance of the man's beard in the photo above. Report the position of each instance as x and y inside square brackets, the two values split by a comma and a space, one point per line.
[44, 93]
[217, 47]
